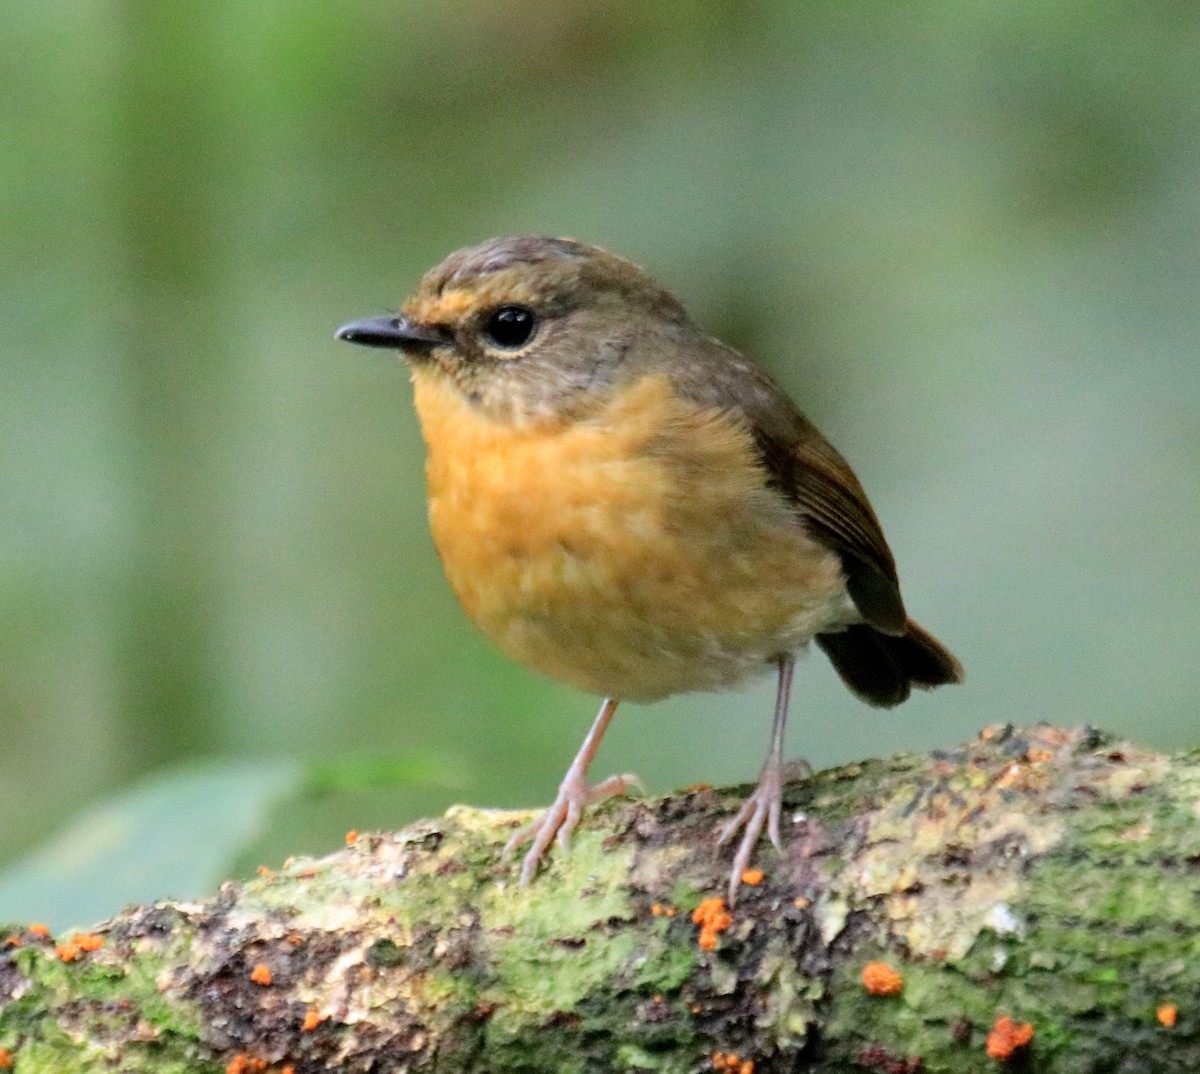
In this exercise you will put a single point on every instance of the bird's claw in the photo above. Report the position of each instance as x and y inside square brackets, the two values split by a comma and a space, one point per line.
[561, 819]
[762, 809]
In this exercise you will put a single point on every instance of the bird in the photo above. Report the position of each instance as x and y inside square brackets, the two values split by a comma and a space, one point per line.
[631, 507]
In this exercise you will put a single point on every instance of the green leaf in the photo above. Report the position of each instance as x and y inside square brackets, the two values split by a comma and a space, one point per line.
[365, 773]
[171, 836]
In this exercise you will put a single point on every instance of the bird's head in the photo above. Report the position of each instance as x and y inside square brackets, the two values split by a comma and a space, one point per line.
[526, 326]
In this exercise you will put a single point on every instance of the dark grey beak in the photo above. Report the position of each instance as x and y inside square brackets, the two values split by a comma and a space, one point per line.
[396, 332]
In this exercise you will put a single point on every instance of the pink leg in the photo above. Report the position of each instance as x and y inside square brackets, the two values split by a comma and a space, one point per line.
[763, 806]
[573, 794]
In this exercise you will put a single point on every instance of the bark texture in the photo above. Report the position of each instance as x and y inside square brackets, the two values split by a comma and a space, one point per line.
[1047, 876]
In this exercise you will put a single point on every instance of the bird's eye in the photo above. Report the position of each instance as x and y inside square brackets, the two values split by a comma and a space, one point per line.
[510, 327]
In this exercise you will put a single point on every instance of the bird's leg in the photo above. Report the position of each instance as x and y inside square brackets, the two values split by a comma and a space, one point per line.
[763, 806]
[573, 794]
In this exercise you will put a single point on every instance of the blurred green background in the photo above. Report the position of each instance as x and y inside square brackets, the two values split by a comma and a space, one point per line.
[965, 235]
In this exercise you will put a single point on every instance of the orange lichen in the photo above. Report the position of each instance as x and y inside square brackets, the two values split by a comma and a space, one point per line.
[261, 974]
[72, 947]
[6, 1059]
[1167, 1014]
[312, 1019]
[245, 1064]
[351, 837]
[39, 930]
[732, 1063]
[88, 941]
[1007, 1038]
[879, 979]
[12, 940]
[264, 871]
[753, 877]
[1037, 756]
[713, 919]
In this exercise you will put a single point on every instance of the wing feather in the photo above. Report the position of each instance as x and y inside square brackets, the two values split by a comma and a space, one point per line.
[799, 462]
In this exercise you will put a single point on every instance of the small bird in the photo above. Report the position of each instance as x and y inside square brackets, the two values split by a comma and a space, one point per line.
[629, 506]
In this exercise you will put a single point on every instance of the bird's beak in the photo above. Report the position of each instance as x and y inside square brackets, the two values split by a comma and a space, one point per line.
[397, 332]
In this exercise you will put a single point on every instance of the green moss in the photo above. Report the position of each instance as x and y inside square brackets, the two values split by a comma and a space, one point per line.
[1088, 964]
[87, 1035]
[384, 953]
[632, 1057]
[1110, 951]
[928, 1019]
[536, 934]
[75, 1016]
[666, 964]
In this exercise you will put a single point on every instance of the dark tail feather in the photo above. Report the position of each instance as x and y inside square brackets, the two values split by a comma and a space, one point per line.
[882, 669]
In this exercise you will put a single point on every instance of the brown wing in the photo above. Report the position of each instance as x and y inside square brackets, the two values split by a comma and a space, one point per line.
[882, 658]
[835, 510]
[804, 467]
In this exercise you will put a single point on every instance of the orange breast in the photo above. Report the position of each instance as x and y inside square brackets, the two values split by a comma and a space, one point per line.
[635, 553]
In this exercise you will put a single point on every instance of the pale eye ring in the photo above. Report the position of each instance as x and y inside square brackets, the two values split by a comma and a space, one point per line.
[510, 327]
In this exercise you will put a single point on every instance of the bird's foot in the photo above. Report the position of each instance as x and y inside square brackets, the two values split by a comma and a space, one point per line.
[562, 817]
[760, 810]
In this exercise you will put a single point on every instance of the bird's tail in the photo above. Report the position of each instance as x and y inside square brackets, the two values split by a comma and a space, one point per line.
[882, 668]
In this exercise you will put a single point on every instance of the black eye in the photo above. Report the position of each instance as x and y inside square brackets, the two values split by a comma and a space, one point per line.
[510, 327]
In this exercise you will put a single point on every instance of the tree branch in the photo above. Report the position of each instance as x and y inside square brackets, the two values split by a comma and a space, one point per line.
[1047, 876]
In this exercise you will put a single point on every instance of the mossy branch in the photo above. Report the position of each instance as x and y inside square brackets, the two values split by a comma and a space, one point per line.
[1049, 877]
